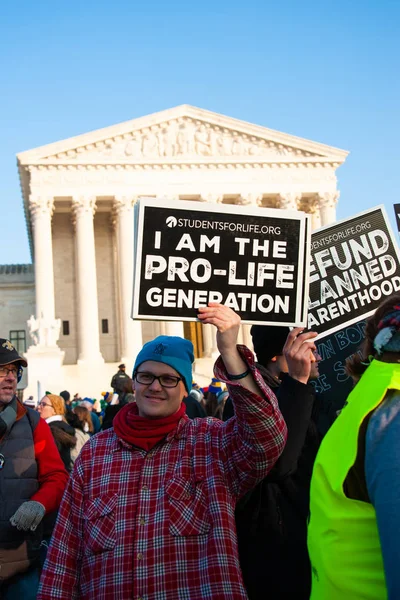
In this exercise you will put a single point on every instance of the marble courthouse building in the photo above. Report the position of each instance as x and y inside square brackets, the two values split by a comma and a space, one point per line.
[74, 307]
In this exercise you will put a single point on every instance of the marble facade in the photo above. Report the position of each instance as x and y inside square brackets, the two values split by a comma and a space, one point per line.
[79, 196]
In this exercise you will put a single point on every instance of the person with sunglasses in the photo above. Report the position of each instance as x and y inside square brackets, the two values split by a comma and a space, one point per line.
[32, 482]
[149, 508]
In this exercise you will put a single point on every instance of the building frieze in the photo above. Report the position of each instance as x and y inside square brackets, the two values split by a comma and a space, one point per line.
[121, 175]
[211, 163]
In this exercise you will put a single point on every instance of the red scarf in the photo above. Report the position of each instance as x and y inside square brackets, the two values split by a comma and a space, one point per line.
[143, 432]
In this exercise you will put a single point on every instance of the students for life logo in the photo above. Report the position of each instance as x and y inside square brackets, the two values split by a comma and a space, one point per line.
[171, 222]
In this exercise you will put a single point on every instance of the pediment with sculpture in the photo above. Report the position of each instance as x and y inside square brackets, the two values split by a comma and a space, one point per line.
[180, 139]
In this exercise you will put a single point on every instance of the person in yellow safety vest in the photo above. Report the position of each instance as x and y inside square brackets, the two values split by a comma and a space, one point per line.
[354, 528]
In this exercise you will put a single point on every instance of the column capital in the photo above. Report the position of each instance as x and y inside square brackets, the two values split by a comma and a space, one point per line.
[328, 199]
[289, 200]
[216, 198]
[83, 204]
[41, 205]
[123, 203]
[251, 198]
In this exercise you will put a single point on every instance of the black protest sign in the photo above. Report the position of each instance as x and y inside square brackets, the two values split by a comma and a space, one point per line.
[397, 215]
[354, 266]
[189, 254]
[333, 383]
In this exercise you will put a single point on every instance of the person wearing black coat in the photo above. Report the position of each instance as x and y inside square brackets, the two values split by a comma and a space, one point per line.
[271, 520]
[64, 437]
[194, 408]
[125, 396]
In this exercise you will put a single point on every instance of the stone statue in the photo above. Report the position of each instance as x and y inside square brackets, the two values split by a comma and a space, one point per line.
[237, 146]
[202, 141]
[132, 148]
[149, 143]
[170, 140]
[181, 141]
[44, 332]
[33, 328]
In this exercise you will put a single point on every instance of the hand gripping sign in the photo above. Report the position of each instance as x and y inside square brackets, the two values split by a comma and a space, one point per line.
[251, 259]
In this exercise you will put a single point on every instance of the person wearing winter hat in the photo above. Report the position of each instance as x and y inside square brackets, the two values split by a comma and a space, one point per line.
[272, 519]
[30, 402]
[214, 389]
[89, 404]
[222, 397]
[32, 482]
[66, 396]
[194, 404]
[150, 503]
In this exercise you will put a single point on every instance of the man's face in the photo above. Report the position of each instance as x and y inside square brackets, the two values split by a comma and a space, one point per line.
[155, 401]
[8, 383]
[314, 373]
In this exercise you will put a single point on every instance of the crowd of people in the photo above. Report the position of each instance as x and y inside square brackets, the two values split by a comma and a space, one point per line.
[164, 490]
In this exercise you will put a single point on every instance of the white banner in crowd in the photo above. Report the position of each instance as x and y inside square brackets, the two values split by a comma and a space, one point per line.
[355, 264]
[188, 254]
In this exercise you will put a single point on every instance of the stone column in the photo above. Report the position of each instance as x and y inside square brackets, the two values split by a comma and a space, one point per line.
[44, 356]
[83, 208]
[289, 200]
[130, 330]
[41, 209]
[209, 341]
[174, 328]
[315, 219]
[327, 206]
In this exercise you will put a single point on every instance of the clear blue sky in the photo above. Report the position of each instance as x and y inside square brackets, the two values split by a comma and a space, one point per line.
[327, 71]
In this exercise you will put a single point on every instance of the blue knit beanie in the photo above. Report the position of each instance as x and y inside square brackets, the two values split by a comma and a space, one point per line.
[215, 386]
[170, 350]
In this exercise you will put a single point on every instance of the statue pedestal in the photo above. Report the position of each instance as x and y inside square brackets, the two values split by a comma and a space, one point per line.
[44, 370]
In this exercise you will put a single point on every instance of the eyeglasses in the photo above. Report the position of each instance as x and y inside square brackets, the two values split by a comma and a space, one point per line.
[167, 381]
[43, 404]
[4, 371]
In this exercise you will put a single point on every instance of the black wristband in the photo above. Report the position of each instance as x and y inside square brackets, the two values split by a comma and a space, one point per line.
[236, 377]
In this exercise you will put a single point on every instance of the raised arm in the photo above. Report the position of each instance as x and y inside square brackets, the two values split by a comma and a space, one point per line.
[250, 443]
[227, 323]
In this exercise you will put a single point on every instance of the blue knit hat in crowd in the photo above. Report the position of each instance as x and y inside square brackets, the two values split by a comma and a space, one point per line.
[170, 350]
[215, 386]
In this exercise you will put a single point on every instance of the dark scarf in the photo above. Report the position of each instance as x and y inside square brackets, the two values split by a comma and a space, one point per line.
[141, 431]
[8, 417]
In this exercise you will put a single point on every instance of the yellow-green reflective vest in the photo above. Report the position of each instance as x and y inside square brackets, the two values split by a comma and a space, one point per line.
[343, 539]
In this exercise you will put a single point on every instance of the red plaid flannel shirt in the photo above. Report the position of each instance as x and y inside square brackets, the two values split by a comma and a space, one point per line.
[161, 525]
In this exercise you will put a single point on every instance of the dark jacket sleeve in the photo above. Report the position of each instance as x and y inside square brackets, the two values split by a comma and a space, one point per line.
[296, 401]
[194, 408]
[229, 411]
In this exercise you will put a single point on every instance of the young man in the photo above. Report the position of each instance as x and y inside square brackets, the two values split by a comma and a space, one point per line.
[149, 509]
[272, 519]
[32, 482]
